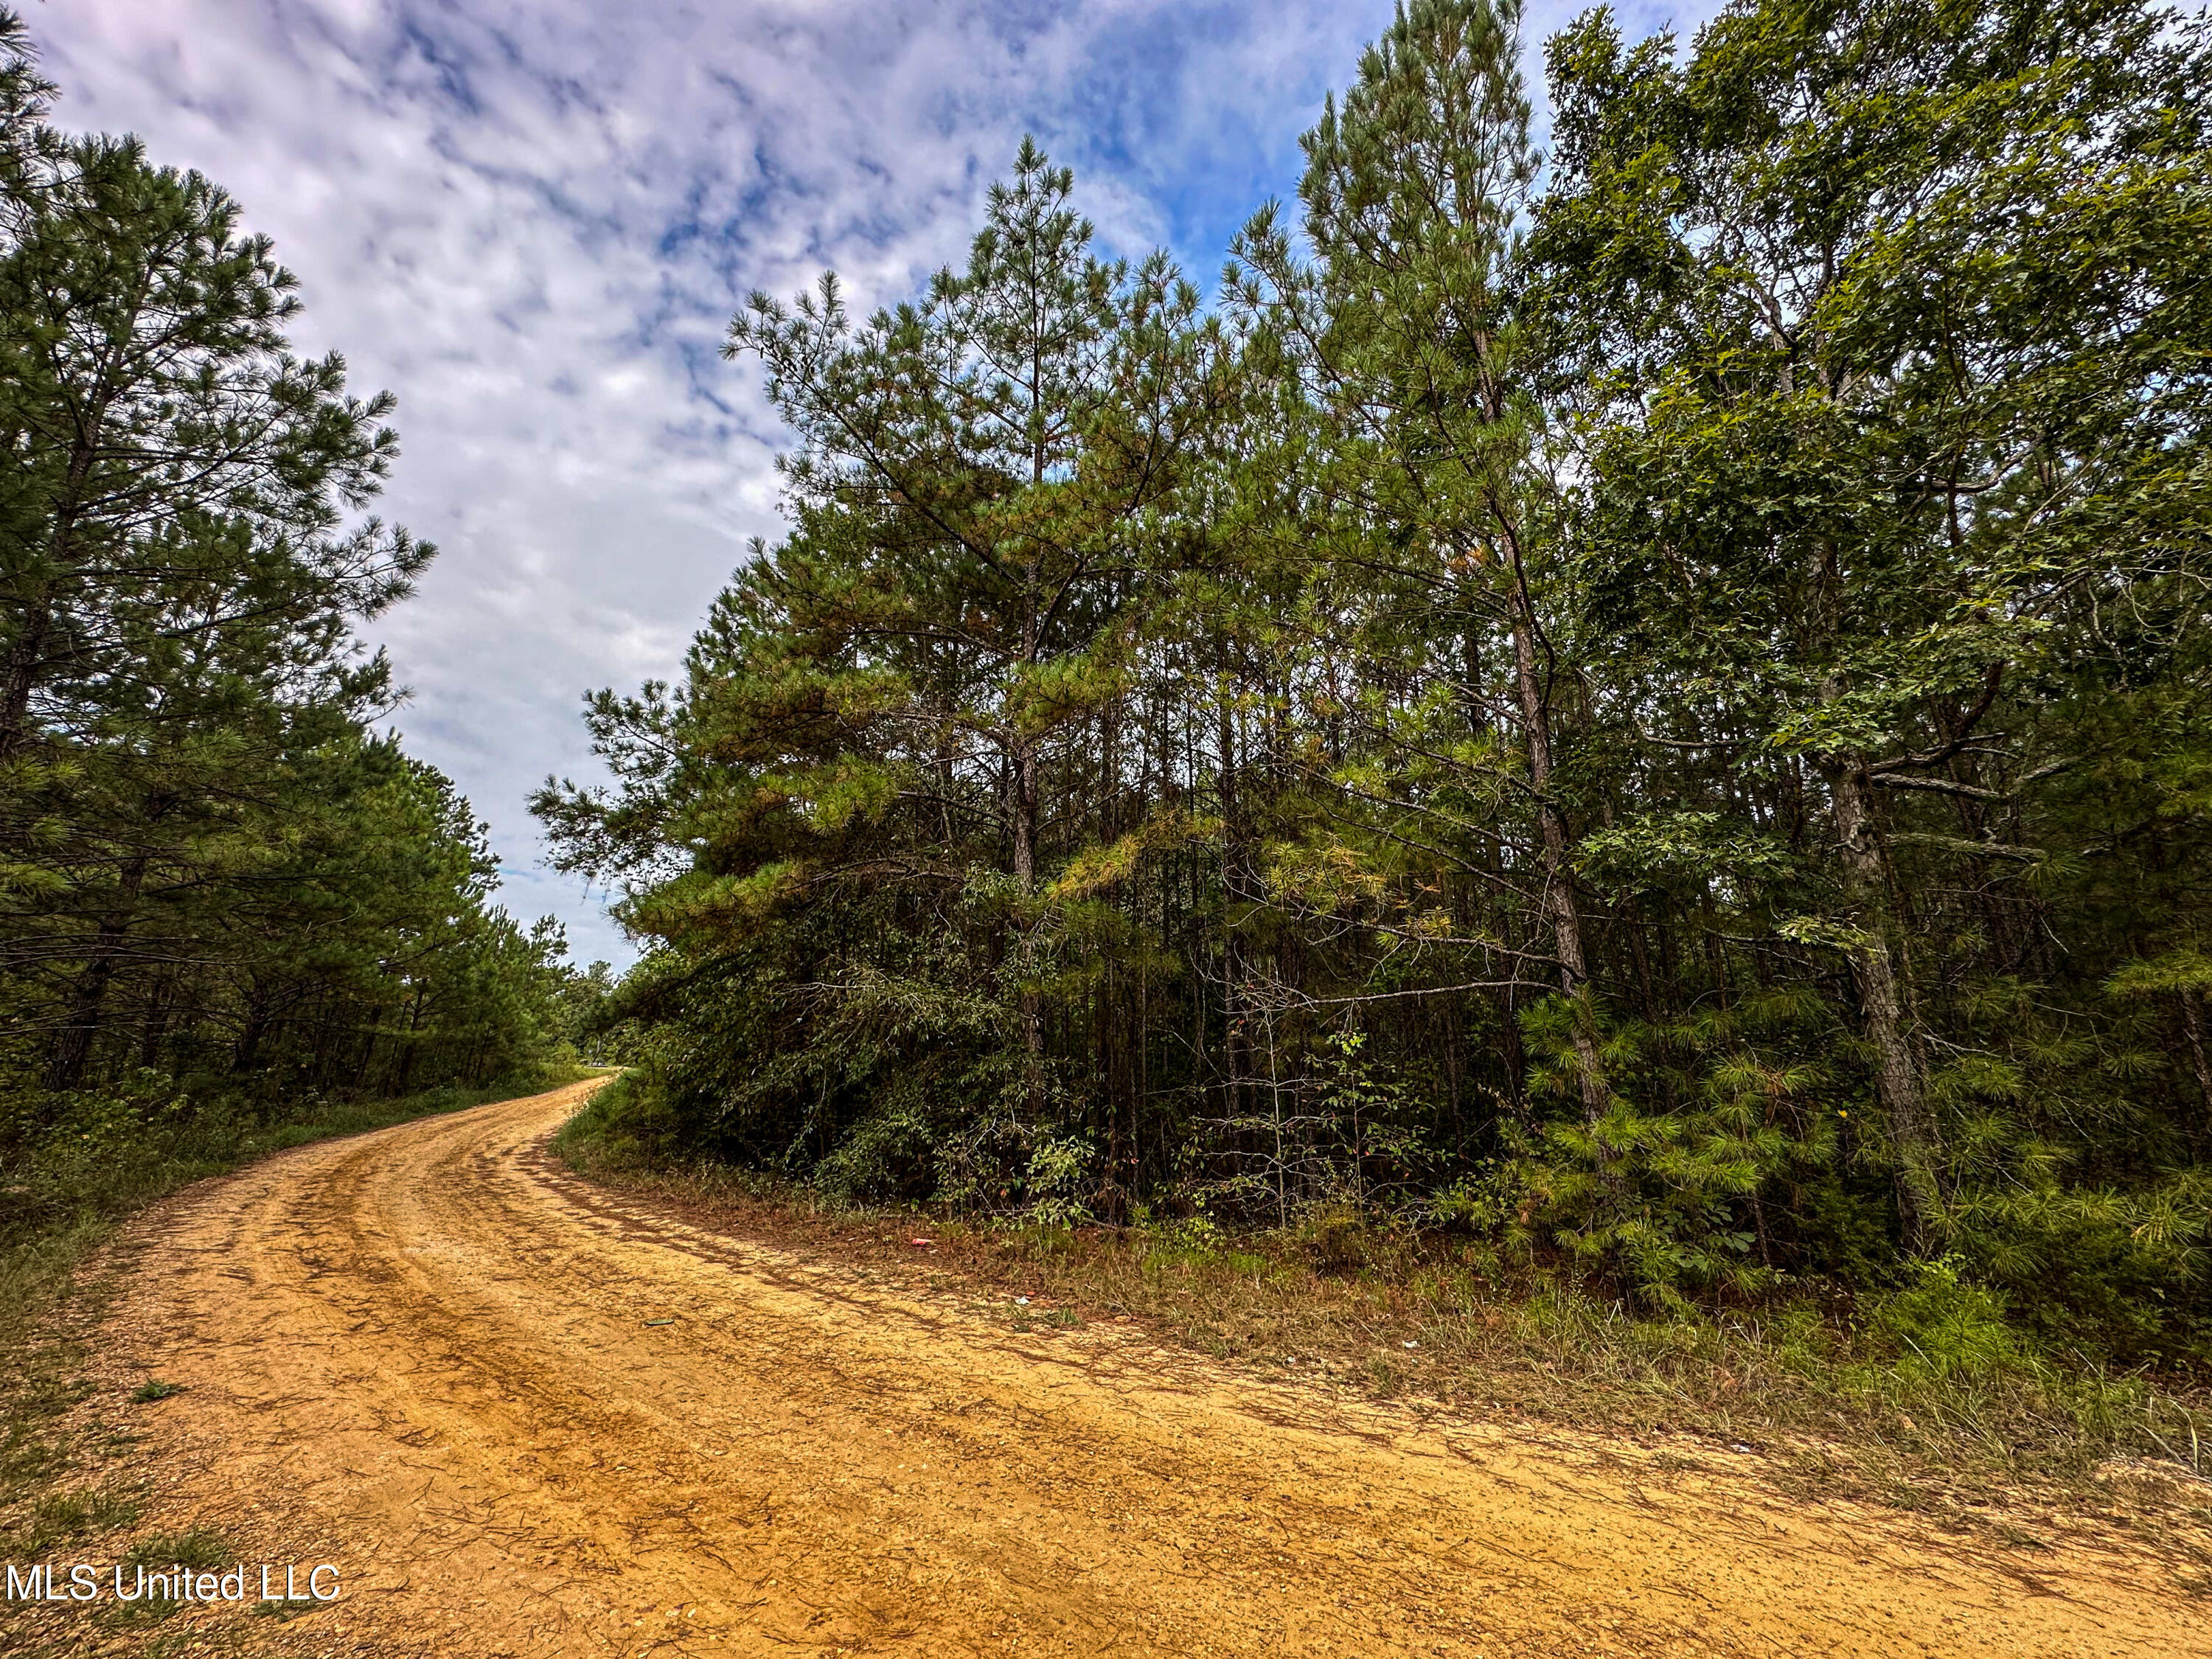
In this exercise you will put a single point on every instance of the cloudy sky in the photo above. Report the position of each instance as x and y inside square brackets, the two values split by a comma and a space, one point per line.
[531, 220]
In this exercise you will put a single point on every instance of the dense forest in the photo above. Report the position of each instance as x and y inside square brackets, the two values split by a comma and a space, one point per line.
[1649, 702]
[222, 890]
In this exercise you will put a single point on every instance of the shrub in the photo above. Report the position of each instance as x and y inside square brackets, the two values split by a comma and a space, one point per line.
[1336, 1239]
[1944, 1326]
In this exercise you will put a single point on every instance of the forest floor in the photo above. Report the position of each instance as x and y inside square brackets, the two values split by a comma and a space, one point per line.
[526, 1414]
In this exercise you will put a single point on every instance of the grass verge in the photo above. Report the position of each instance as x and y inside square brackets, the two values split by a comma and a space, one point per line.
[1993, 1437]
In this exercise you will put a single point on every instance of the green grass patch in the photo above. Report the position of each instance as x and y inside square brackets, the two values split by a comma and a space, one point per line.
[63, 1517]
[200, 1550]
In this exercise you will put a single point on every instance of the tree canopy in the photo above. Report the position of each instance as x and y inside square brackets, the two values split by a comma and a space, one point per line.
[215, 873]
[1650, 701]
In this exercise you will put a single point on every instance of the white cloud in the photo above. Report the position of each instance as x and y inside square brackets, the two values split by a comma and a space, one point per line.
[533, 223]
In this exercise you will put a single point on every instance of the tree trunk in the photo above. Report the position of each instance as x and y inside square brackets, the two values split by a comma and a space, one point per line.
[256, 1027]
[27, 656]
[24, 658]
[2192, 1023]
[1558, 877]
[65, 1067]
[1025, 827]
[1881, 1008]
[1235, 1040]
[155, 1026]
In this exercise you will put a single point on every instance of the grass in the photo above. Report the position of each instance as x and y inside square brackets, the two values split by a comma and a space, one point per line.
[1833, 1401]
[61, 1517]
[63, 1203]
[200, 1550]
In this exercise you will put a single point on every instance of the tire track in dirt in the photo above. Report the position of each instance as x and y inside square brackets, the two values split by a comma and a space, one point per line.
[426, 1354]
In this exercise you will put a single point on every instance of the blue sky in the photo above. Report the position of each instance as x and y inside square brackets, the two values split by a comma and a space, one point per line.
[531, 221]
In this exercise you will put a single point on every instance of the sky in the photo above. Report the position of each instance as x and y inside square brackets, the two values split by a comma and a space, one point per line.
[533, 223]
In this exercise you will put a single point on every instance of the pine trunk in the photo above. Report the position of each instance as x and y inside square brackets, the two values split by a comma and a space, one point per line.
[1558, 877]
[1881, 1008]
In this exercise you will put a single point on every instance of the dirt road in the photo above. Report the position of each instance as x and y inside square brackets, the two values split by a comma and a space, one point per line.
[525, 1417]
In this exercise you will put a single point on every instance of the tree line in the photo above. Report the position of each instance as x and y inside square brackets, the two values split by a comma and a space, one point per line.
[215, 873]
[1648, 701]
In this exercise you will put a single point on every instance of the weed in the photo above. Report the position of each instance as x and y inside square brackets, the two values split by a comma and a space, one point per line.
[1336, 1240]
[58, 1517]
[153, 1388]
[148, 1610]
[1944, 1326]
[196, 1551]
[1200, 1247]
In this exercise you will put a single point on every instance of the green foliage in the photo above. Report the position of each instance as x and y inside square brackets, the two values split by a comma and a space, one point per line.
[1656, 714]
[217, 885]
[200, 1549]
[1944, 1327]
[61, 1517]
[1197, 1246]
[1336, 1239]
[625, 1125]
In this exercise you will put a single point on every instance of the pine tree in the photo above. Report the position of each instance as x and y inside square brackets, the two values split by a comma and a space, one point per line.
[188, 792]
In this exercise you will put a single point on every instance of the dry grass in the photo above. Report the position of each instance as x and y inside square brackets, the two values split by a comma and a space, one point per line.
[2028, 1450]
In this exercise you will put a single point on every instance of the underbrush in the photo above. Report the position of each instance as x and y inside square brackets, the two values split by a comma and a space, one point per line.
[1922, 1397]
[622, 1127]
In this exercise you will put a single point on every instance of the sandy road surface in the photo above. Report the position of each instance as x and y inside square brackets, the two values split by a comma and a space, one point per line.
[430, 1356]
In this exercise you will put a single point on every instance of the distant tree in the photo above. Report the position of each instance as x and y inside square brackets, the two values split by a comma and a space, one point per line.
[886, 712]
[201, 847]
[1409, 329]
